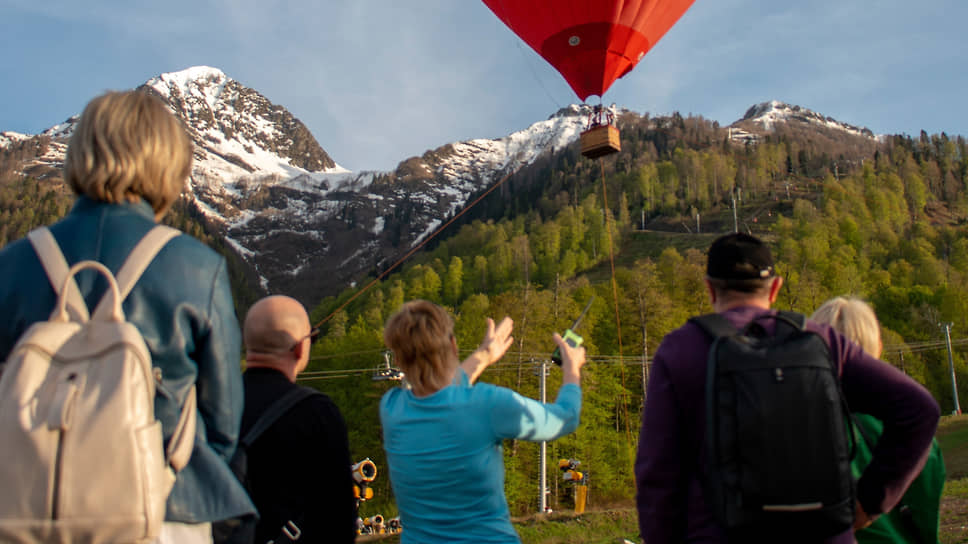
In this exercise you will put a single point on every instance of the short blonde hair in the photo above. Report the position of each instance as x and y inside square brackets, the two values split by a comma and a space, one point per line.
[128, 146]
[420, 336]
[853, 318]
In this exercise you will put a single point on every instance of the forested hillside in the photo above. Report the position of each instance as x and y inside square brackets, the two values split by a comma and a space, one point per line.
[844, 214]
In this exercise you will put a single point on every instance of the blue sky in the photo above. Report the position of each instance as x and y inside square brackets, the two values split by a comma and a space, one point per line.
[378, 81]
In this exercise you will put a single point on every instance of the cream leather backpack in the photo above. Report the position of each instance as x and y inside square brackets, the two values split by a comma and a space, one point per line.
[83, 455]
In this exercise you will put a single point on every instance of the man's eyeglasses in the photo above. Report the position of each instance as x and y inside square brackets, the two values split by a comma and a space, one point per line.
[313, 335]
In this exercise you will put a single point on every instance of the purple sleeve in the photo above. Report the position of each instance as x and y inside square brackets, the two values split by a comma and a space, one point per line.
[910, 415]
[660, 489]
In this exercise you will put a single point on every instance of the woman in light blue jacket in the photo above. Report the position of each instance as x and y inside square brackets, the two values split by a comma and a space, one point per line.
[443, 434]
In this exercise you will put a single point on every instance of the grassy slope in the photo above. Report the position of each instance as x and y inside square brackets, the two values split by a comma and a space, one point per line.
[953, 438]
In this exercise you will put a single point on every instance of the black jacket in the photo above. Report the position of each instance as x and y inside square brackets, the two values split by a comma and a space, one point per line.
[299, 468]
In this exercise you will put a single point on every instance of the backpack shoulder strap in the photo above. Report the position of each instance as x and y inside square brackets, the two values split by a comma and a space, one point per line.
[714, 325]
[795, 319]
[274, 412]
[52, 259]
[182, 443]
[139, 259]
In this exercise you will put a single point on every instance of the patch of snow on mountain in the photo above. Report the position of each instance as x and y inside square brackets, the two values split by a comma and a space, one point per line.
[352, 257]
[187, 83]
[523, 147]
[239, 248]
[62, 130]
[378, 224]
[8, 137]
[295, 271]
[431, 227]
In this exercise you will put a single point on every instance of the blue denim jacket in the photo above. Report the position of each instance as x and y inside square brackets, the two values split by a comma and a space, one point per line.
[183, 307]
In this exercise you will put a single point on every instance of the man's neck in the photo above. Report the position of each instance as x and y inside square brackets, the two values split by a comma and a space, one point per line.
[721, 306]
[286, 370]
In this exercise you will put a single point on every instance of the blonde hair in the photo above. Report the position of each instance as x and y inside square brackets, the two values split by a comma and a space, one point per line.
[128, 146]
[420, 336]
[853, 318]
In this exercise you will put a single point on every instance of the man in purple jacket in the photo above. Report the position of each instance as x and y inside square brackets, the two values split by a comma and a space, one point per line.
[742, 286]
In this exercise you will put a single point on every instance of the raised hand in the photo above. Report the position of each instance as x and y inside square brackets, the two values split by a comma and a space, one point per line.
[495, 344]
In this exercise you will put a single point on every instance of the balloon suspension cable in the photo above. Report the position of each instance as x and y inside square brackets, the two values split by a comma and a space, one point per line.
[412, 251]
[528, 62]
[618, 320]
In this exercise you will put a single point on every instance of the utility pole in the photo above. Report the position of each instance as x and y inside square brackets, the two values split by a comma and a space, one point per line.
[697, 223]
[542, 462]
[951, 365]
[735, 220]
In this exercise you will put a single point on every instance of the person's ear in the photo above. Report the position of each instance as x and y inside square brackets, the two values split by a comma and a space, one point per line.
[711, 291]
[775, 288]
[299, 349]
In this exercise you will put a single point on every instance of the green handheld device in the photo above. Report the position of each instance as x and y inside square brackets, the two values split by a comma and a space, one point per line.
[569, 336]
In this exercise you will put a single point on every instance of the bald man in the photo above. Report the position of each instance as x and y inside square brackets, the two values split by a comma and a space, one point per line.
[299, 468]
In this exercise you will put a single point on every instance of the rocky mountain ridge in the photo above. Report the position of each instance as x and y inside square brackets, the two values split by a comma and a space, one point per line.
[309, 227]
[764, 117]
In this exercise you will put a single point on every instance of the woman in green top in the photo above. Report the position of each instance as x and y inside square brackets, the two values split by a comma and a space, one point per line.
[915, 519]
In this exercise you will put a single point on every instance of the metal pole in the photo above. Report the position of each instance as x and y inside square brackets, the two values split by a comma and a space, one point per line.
[951, 366]
[542, 478]
[735, 220]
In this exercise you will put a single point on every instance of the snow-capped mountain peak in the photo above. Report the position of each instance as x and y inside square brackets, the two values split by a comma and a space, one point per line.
[264, 183]
[768, 114]
[295, 215]
[204, 81]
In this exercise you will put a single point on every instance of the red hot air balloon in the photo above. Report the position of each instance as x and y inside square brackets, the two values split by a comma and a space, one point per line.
[590, 42]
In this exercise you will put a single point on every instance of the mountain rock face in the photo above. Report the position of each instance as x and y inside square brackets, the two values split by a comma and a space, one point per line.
[308, 227]
[313, 233]
[236, 123]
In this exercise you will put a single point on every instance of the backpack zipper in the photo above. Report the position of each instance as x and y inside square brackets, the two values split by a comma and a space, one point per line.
[61, 415]
[55, 495]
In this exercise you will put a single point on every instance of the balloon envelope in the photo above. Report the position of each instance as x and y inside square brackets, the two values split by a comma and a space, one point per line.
[590, 42]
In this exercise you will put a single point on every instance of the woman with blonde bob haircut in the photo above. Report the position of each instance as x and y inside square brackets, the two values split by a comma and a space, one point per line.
[443, 434]
[915, 519]
[853, 318]
[129, 147]
[128, 160]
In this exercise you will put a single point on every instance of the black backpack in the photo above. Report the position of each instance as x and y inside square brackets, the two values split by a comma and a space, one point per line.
[778, 450]
[242, 530]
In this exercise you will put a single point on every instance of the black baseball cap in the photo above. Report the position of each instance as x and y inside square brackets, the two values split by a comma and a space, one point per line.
[739, 256]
